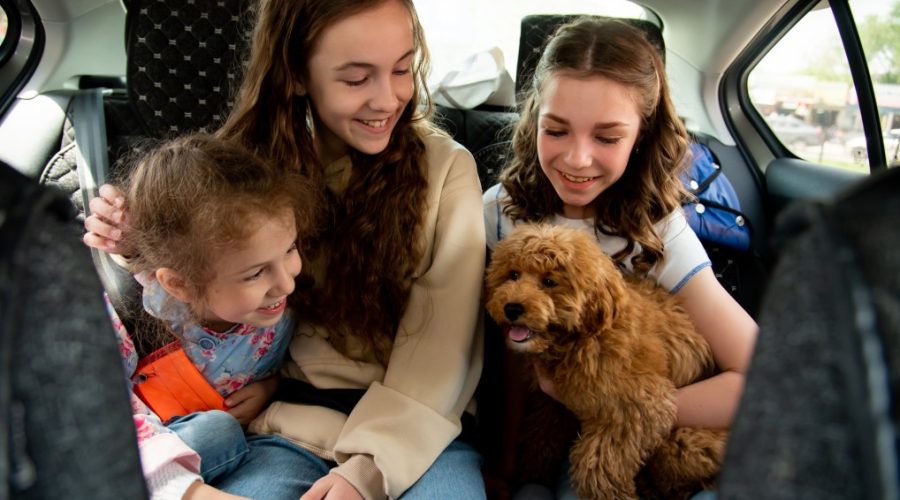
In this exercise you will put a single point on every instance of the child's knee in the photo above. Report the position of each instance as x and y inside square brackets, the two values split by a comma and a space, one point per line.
[205, 425]
[219, 422]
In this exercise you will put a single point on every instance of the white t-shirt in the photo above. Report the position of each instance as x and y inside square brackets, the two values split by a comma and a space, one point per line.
[683, 254]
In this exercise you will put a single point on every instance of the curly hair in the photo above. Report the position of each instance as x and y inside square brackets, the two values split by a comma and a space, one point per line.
[370, 244]
[650, 188]
[194, 197]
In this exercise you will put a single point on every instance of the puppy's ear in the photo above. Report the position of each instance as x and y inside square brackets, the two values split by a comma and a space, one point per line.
[499, 266]
[603, 285]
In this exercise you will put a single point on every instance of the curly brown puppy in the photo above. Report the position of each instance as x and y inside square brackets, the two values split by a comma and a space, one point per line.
[616, 349]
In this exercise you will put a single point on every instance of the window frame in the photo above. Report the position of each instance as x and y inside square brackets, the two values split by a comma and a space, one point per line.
[20, 51]
[13, 31]
[862, 82]
[755, 139]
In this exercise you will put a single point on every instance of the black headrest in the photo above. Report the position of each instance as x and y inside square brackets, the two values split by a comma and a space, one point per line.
[536, 30]
[184, 61]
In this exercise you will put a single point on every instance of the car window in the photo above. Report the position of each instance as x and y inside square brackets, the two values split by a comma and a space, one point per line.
[4, 25]
[879, 32]
[804, 91]
[453, 33]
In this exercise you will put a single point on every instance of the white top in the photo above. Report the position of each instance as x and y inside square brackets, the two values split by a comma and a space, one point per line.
[683, 254]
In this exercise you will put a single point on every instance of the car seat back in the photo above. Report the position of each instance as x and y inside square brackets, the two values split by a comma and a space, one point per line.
[184, 62]
[819, 412]
[61, 380]
[536, 30]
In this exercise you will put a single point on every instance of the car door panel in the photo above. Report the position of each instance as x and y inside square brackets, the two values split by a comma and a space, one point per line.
[790, 179]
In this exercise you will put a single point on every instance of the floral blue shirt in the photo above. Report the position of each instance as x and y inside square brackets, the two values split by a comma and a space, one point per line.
[228, 360]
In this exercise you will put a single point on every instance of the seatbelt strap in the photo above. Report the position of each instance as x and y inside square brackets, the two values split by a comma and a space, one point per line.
[92, 161]
[90, 143]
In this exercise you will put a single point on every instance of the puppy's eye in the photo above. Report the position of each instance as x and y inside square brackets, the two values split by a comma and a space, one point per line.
[514, 275]
[548, 283]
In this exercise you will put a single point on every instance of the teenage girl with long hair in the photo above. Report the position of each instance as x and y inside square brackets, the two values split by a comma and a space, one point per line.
[385, 363]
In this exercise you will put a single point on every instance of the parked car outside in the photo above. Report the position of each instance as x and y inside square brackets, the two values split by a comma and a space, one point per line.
[860, 153]
[794, 132]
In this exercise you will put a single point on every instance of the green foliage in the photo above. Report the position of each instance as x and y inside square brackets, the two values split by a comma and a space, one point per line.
[831, 65]
[880, 36]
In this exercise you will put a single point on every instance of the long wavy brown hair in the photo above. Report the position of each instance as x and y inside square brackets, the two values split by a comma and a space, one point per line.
[650, 188]
[371, 241]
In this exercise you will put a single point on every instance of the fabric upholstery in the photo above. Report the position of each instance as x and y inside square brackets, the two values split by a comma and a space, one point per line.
[484, 133]
[818, 416]
[61, 385]
[536, 30]
[184, 60]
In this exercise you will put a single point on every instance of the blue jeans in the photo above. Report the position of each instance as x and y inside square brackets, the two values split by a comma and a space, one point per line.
[455, 474]
[271, 467]
[255, 466]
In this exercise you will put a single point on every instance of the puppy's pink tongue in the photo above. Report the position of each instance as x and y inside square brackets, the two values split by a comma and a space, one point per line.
[518, 333]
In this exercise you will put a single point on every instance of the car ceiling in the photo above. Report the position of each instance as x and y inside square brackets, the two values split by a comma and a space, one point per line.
[711, 32]
[77, 41]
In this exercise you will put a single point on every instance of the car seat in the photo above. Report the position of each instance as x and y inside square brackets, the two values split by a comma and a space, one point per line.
[485, 132]
[536, 30]
[183, 64]
[818, 417]
[62, 390]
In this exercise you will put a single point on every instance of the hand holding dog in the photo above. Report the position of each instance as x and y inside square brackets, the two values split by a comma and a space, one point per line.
[545, 381]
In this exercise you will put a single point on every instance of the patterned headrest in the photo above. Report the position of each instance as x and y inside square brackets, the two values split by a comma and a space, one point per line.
[536, 30]
[184, 61]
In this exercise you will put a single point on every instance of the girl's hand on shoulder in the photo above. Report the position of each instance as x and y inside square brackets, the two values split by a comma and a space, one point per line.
[107, 221]
[332, 487]
[248, 402]
[200, 491]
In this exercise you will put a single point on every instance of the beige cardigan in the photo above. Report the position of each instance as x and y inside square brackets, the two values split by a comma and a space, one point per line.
[411, 410]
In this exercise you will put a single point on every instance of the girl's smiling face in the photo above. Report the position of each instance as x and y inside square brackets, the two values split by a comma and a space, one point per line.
[587, 128]
[251, 282]
[360, 79]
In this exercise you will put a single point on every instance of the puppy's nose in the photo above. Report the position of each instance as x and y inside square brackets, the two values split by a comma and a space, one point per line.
[513, 310]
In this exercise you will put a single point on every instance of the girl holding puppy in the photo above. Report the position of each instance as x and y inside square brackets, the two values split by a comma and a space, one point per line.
[599, 146]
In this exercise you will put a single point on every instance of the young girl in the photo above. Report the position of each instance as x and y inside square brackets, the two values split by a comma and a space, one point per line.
[384, 366]
[599, 147]
[214, 233]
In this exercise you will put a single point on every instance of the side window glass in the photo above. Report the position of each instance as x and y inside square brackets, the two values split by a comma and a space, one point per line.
[803, 90]
[878, 22]
[4, 25]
